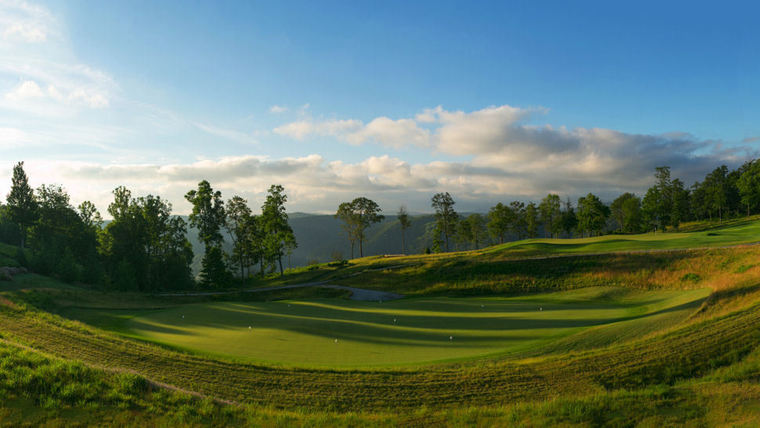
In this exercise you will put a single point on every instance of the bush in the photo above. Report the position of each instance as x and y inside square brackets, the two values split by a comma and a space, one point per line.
[131, 384]
[21, 257]
[68, 268]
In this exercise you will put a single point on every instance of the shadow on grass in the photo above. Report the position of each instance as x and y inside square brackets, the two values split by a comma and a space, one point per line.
[394, 326]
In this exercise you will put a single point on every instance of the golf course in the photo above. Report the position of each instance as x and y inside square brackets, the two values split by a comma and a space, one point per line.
[655, 328]
[343, 333]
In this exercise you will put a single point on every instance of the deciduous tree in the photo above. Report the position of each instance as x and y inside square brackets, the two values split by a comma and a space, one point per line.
[404, 223]
[278, 235]
[549, 209]
[358, 215]
[445, 216]
[208, 216]
[592, 214]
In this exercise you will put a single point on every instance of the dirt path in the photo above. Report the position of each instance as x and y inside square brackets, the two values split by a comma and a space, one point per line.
[356, 293]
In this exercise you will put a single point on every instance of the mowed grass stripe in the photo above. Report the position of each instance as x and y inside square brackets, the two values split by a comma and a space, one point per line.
[685, 352]
[413, 331]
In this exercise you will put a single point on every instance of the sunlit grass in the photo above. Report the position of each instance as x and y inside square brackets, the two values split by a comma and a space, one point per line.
[340, 333]
[650, 350]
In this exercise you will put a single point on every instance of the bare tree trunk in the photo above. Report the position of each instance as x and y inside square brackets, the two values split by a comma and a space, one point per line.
[242, 270]
[279, 259]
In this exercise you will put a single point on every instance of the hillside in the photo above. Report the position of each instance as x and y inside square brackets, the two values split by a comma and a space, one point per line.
[321, 239]
[636, 330]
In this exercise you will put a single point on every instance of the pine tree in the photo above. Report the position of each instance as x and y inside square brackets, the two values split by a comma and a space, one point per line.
[21, 201]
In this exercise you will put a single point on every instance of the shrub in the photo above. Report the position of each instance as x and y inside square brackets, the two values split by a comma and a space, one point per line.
[21, 257]
[68, 268]
[131, 384]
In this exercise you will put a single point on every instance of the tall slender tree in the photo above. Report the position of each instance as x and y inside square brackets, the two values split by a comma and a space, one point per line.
[530, 215]
[346, 214]
[279, 238]
[592, 214]
[237, 223]
[679, 204]
[21, 202]
[748, 185]
[472, 230]
[254, 243]
[500, 219]
[569, 219]
[519, 223]
[550, 214]
[626, 210]
[405, 223]
[445, 216]
[209, 216]
[716, 186]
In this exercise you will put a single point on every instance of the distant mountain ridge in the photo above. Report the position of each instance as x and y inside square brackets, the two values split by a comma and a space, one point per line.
[321, 238]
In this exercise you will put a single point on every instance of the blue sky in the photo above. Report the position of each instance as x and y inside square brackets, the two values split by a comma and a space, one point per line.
[492, 101]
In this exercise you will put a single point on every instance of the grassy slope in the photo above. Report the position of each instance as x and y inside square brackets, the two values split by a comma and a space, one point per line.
[330, 333]
[520, 266]
[703, 370]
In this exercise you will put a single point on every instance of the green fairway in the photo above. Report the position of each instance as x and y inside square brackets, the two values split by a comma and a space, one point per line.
[737, 232]
[341, 333]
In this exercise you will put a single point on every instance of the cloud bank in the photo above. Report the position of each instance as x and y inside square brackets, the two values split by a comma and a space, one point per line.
[502, 154]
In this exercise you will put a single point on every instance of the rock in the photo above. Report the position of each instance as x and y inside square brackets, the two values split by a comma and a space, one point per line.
[8, 272]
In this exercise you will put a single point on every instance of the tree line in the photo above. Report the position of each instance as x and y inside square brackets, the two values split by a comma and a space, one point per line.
[664, 206]
[144, 247]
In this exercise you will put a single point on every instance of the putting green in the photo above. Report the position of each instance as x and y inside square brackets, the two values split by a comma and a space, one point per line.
[341, 333]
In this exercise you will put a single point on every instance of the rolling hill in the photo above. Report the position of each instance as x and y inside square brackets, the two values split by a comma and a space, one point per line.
[650, 330]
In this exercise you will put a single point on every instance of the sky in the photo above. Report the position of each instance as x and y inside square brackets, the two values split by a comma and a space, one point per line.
[395, 101]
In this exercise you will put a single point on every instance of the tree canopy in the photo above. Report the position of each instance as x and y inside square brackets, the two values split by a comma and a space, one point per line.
[446, 217]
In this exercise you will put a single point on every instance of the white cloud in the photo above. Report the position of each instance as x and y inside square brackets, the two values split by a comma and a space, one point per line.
[36, 52]
[27, 89]
[89, 99]
[277, 109]
[29, 94]
[332, 128]
[26, 32]
[429, 115]
[505, 155]
[391, 133]
[607, 164]
[22, 22]
[13, 137]
[383, 130]
[481, 131]
[230, 134]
